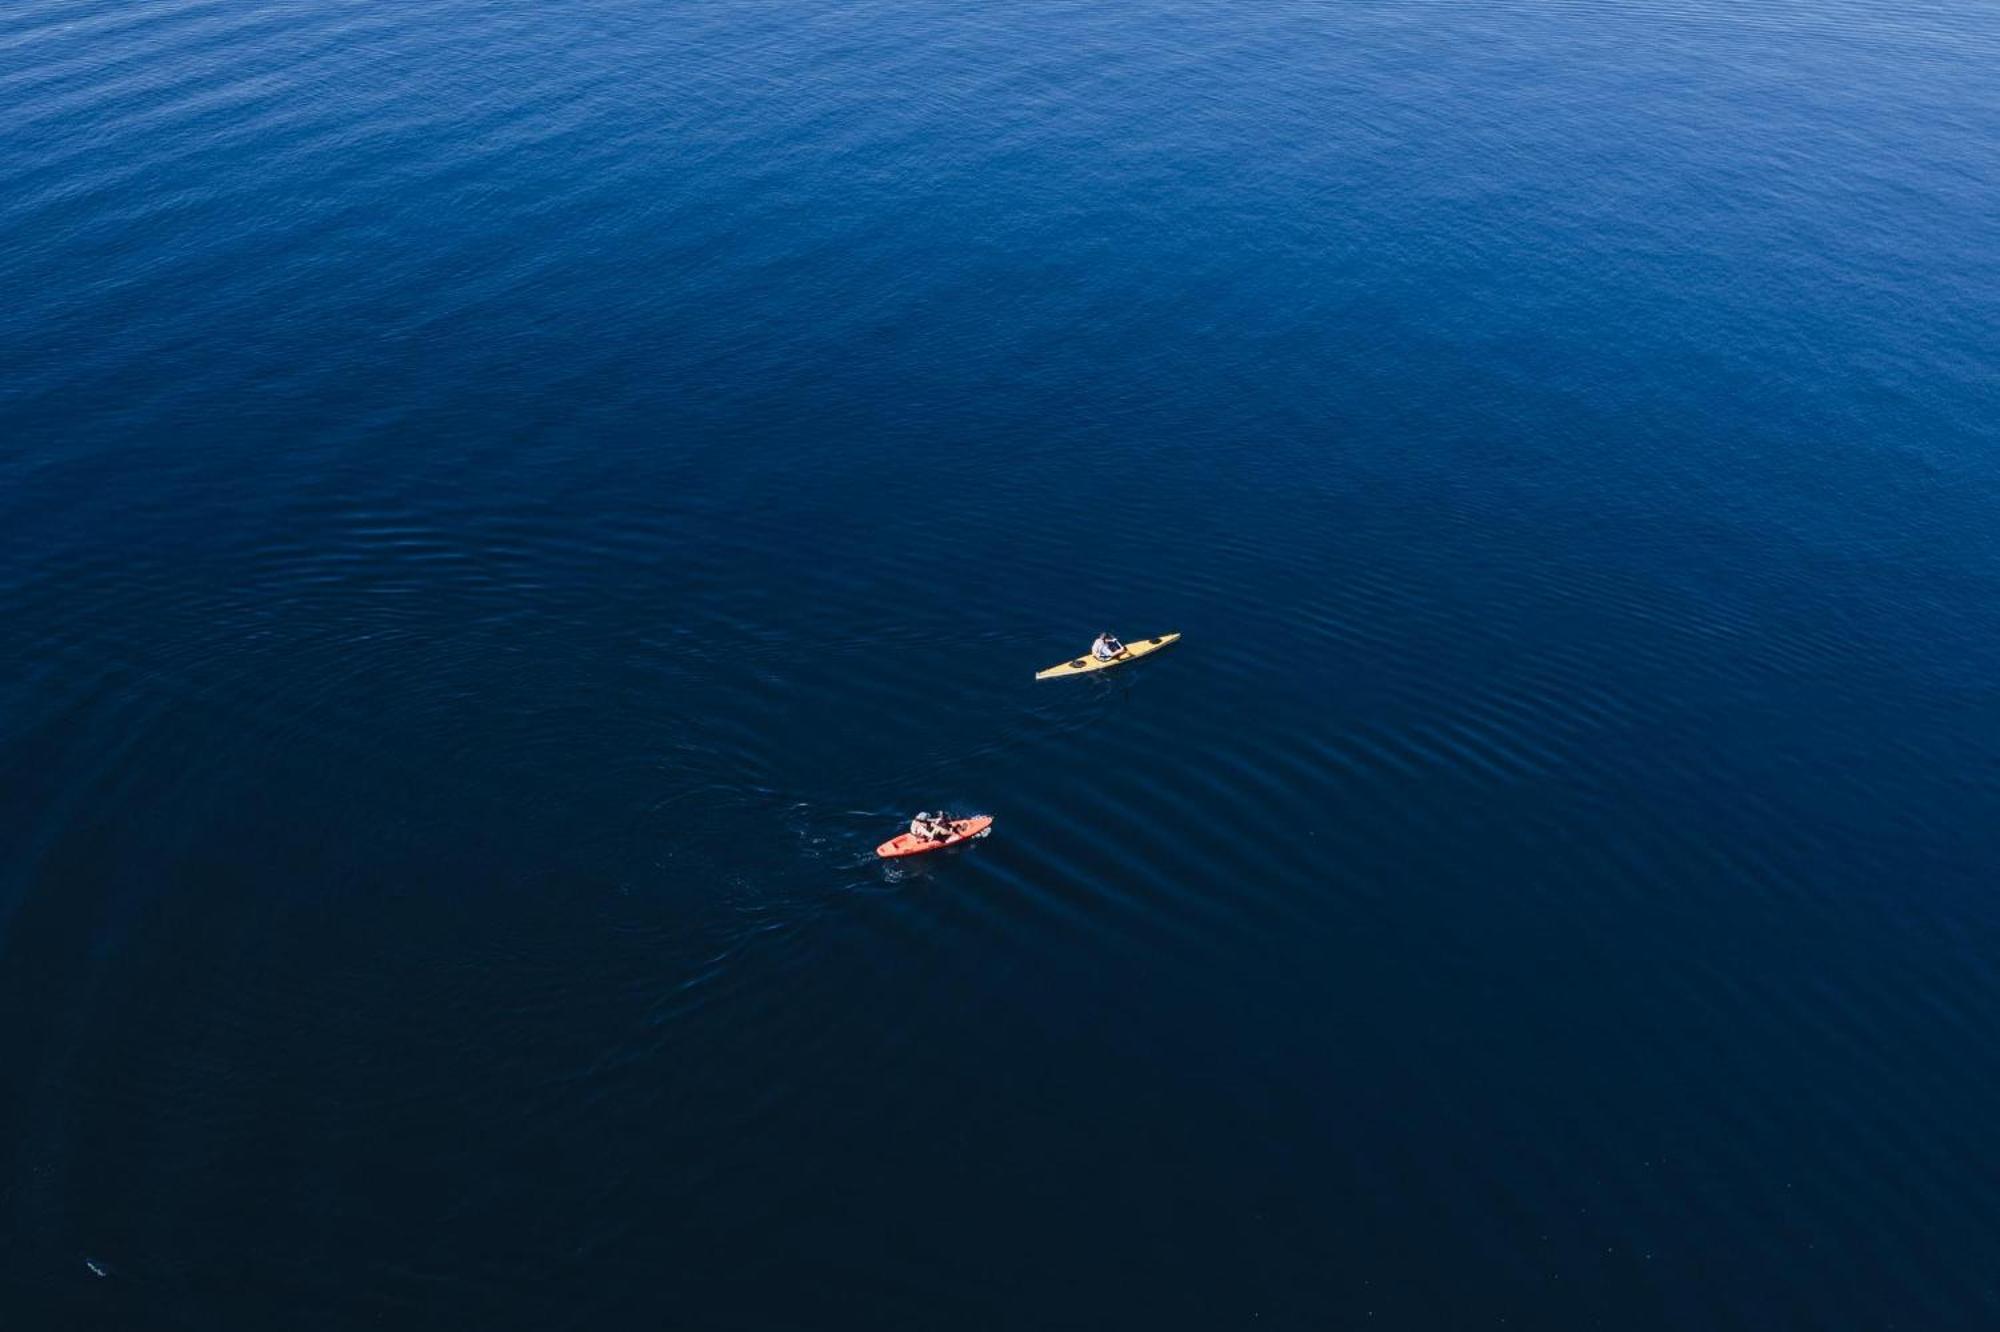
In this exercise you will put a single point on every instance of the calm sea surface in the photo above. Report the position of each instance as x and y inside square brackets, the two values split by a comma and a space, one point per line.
[504, 503]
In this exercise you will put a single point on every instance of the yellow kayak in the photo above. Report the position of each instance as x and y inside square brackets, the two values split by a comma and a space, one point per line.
[1084, 665]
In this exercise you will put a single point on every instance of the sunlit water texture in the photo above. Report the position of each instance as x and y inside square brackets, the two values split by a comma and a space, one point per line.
[503, 504]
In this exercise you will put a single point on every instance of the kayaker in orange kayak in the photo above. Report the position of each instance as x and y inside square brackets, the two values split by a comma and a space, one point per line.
[1106, 647]
[935, 832]
[932, 827]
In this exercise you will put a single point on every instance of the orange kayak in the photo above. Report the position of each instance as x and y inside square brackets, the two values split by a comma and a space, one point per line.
[962, 830]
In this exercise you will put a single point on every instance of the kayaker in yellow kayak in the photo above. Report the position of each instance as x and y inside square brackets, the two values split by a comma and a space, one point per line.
[1106, 652]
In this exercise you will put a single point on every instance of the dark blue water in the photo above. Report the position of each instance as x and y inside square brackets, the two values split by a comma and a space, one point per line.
[504, 504]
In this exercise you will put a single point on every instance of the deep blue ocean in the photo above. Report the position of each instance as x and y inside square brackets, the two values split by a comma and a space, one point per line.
[504, 503]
